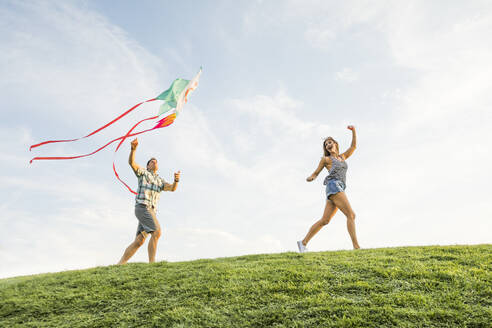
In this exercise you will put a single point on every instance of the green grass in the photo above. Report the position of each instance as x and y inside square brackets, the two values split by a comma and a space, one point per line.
[394, 287]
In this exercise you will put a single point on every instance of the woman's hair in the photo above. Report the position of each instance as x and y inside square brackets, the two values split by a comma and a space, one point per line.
[326, 152]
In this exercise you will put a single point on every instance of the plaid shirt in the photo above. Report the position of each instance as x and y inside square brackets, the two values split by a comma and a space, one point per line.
[149, 189]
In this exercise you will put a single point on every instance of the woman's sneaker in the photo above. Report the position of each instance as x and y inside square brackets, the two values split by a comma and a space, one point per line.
[301, 247]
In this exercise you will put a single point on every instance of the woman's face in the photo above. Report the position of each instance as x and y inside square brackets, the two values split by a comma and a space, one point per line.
[330, 145]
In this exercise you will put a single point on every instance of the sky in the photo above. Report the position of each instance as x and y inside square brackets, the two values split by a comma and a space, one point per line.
[413, 77]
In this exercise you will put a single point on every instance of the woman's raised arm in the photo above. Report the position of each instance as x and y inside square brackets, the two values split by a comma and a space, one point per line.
[353, 145]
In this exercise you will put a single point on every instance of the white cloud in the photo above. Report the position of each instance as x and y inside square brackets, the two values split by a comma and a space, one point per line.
[276, 115]
[70, 62]
[320, 37]
[326, 20]
[346, 75]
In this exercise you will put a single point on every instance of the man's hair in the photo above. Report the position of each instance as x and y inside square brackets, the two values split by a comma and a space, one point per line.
[153, 158]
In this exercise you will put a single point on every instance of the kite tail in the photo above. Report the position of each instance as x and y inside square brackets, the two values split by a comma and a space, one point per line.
[93, 132]
[80, 156]
[166, 121]
[118, 147]
[123, 182]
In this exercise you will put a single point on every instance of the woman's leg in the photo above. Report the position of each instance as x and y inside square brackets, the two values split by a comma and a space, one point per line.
[341, 201]
[330, 210]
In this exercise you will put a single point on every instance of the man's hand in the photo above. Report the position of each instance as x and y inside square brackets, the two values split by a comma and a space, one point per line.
[131, 158]
[310, 178]
[176, 176]
[351, 127]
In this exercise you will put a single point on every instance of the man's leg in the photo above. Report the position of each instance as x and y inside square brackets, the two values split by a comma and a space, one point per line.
[130, 250]
[155, 235]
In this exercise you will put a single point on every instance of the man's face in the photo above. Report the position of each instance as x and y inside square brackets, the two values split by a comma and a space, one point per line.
[152, 166]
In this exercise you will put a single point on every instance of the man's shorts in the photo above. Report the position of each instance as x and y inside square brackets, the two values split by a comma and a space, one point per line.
[147, 221]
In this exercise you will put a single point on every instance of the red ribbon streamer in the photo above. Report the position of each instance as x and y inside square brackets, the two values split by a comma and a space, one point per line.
[93, 132]
[80, 156]
[168, 120]
[118, 147]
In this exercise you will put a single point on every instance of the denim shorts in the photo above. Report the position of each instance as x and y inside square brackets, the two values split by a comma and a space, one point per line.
[334, 186]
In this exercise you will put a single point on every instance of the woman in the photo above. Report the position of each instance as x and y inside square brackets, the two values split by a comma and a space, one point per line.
[335, 186]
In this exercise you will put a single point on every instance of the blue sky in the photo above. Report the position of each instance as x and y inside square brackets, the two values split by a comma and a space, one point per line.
[278, 77]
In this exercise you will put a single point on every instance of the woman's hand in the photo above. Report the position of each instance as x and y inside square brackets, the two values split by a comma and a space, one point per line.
[350, 151]
[310, 178]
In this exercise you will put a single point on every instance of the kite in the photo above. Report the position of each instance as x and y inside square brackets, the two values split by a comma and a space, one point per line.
[174, 99]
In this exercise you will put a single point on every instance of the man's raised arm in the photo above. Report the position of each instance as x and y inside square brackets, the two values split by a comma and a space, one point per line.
[131, 159]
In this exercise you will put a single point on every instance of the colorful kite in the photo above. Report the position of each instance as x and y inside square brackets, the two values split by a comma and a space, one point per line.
[174, 99]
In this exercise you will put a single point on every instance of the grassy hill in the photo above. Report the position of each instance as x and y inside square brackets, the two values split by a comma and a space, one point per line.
[394, 287]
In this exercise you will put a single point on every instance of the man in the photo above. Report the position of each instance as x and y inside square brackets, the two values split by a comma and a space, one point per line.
[150, 186]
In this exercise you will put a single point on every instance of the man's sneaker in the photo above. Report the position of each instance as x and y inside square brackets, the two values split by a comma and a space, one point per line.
[301, 247]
